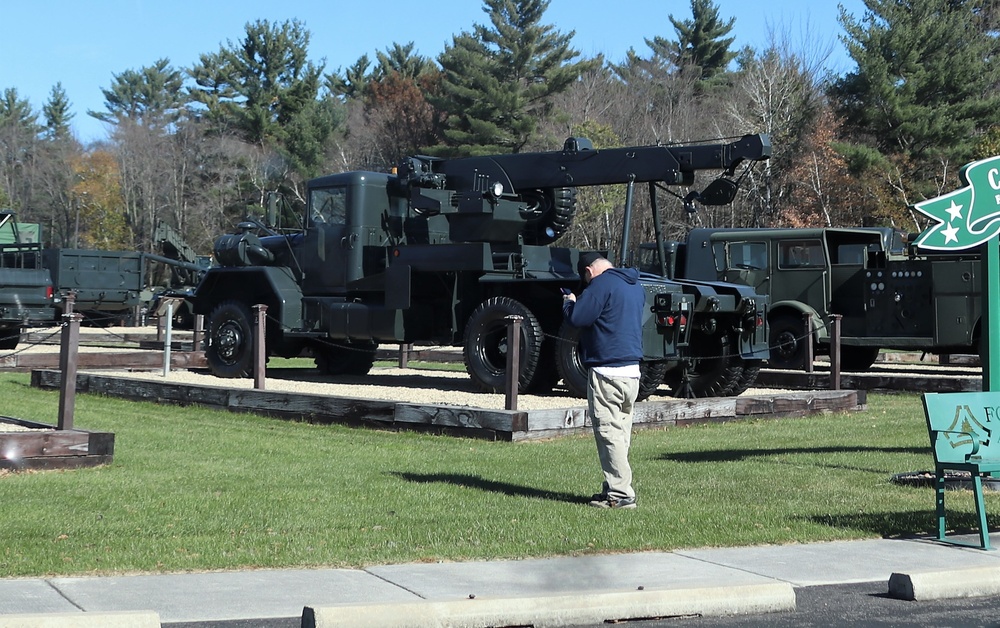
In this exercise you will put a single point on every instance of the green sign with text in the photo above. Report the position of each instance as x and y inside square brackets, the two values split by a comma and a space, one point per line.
[968, 218]
[970, 215]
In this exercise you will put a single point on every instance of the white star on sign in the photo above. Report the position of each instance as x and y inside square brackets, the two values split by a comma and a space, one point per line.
[951, 233]
[955, 211]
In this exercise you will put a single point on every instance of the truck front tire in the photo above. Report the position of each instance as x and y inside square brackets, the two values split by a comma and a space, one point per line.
[230, 340]
[485, 346]
[787, 343]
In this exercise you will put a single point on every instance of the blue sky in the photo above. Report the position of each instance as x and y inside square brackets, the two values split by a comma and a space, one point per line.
[84, 43]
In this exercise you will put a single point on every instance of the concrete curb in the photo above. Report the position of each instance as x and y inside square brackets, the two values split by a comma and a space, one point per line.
[939, 585]
[116, 619]
[564, 610]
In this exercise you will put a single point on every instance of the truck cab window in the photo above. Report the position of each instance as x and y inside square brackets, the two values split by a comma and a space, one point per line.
[328, 205]
[747, 256]
[854, 254]
[801, 254]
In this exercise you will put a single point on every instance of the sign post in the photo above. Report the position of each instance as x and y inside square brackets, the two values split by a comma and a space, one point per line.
[965, 219]
[991, 315]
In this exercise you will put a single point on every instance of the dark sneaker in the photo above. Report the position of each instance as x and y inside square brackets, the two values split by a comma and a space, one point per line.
[611, 502]
[602, 496]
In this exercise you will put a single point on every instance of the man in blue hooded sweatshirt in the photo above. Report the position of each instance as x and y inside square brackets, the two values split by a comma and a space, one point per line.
[609, 314]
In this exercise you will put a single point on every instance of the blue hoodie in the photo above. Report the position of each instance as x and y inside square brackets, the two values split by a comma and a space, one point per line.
[609, 315]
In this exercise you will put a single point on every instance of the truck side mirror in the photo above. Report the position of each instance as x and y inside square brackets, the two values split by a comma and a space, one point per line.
[272, 208]
[719, 192]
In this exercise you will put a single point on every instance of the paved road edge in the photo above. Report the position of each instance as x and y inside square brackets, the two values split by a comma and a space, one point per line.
[939, 585]
[558, 610]
[115, 619]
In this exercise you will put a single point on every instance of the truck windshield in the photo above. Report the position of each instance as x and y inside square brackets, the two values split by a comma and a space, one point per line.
[328, 205]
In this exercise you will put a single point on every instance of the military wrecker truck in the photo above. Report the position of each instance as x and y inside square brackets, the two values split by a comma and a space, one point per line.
[445, 250]
[889, 294]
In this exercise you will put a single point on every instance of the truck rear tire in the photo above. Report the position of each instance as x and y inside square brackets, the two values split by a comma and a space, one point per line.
[747, 378]
[230, 340]
[571, 369]
[712, 375]
[787, 343]
[485, 344]
[857, 358]
[653, 374]
[546, 374]
[9, 337]
[575, 376]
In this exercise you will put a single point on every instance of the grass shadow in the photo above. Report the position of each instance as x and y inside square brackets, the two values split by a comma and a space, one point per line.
[735, 455]
[490, 486]
[915, 523]
[738, 455]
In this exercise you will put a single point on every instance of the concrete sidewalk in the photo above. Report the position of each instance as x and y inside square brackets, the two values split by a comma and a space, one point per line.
[555, 591]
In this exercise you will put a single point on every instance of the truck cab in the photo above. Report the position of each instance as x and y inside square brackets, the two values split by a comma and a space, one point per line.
[807, 273]
[26, 289]
[887, 296]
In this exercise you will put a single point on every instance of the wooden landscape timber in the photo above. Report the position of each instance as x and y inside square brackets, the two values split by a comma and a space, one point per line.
[507, 425]
[30, 445]
[23, 362]
[887, 377]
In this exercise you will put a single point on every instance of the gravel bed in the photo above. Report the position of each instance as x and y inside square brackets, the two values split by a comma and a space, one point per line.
[416, 386]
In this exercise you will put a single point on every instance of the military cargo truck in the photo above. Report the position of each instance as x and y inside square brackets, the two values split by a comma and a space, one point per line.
[33, 280]
[26, 289]
[889, 296]
[445, 250]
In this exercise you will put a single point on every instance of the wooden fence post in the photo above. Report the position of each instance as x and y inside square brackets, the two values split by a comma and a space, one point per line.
[808, 342]
[167, 336]
[259, 354]
[69, 345]
[199, 332]
[513, 360]
[835, 351]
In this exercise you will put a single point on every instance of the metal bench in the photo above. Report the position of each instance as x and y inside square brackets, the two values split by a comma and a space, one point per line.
[961, 427]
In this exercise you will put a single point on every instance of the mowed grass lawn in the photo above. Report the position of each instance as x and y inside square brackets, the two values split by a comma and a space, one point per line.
[198, 489]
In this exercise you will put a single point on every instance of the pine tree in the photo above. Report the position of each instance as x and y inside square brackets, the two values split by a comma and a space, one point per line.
[57, 114]
[150, 97]
[498, 81]
[16, 111]
[701, 41]
[925, 84]
[265, 88]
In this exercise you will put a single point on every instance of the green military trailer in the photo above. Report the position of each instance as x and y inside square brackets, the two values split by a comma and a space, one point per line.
[107, 285]
[889, 296]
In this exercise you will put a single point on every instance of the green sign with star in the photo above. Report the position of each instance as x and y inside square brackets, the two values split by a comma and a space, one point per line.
[970, 215]
[968, 218]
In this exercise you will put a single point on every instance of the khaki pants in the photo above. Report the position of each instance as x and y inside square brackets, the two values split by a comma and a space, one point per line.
[610, 401]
